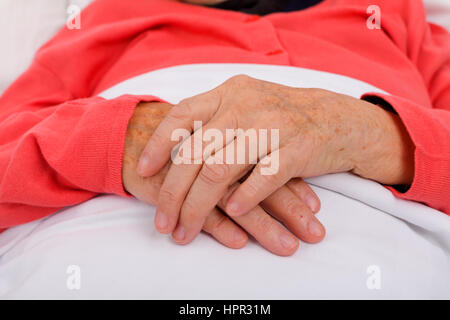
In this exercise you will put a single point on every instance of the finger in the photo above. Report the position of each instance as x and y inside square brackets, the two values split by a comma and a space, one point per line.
[302, 190]
[184, 176]
[220, 170]
[172, 195]
[224, 230]
[205, 193]
[179, 178]
[213, 180]
[178, 123]
[286, 207]
[261, 183]
[266, 230]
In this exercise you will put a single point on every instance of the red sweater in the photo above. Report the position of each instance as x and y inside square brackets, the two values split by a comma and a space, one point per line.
[61, 145]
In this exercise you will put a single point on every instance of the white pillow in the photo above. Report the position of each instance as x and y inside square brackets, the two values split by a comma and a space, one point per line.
[26, 24]
[438, 11]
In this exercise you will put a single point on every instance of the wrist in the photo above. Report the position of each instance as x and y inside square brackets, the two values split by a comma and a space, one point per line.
[388, 154]
[144, 121]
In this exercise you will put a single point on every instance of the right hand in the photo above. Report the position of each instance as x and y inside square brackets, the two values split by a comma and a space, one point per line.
[287, 204]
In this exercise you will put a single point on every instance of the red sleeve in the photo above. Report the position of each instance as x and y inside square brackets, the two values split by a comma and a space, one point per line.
[56, 151]
[59, 145]
[428, 125]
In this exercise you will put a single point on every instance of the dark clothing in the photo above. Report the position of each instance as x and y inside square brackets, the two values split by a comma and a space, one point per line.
[263, 7]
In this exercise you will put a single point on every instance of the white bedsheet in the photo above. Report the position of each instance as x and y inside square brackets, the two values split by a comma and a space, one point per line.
[372, 237]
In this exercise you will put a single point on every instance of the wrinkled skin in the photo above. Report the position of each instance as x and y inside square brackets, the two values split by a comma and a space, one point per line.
[294, 204]
[320, 132]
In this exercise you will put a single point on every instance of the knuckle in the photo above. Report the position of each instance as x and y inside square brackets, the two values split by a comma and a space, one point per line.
[292, 207]
[167, 196]
[219, 223]
[300, 187]
[264, 223]
[189, 211]
[186, 151]
[250, 188]
[182, 111]
[214, 173]
[240, 78]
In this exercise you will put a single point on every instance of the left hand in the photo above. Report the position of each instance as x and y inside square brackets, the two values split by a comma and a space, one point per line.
[294, 204]
[320, 132]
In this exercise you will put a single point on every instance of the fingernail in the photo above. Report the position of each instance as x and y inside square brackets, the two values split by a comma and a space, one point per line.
[287, 241]
[312, 202]
[179, 233]
[315, 228]
[161, 220]
[233, 208]
[143, 164]
[238, 236]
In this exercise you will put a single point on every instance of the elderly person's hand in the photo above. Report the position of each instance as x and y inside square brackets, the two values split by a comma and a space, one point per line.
[320, 132]
[288, 204]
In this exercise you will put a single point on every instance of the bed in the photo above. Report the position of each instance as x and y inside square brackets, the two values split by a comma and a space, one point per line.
[377, 246]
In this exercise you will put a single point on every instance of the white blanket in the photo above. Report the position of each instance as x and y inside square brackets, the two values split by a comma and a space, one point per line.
[376, 247]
